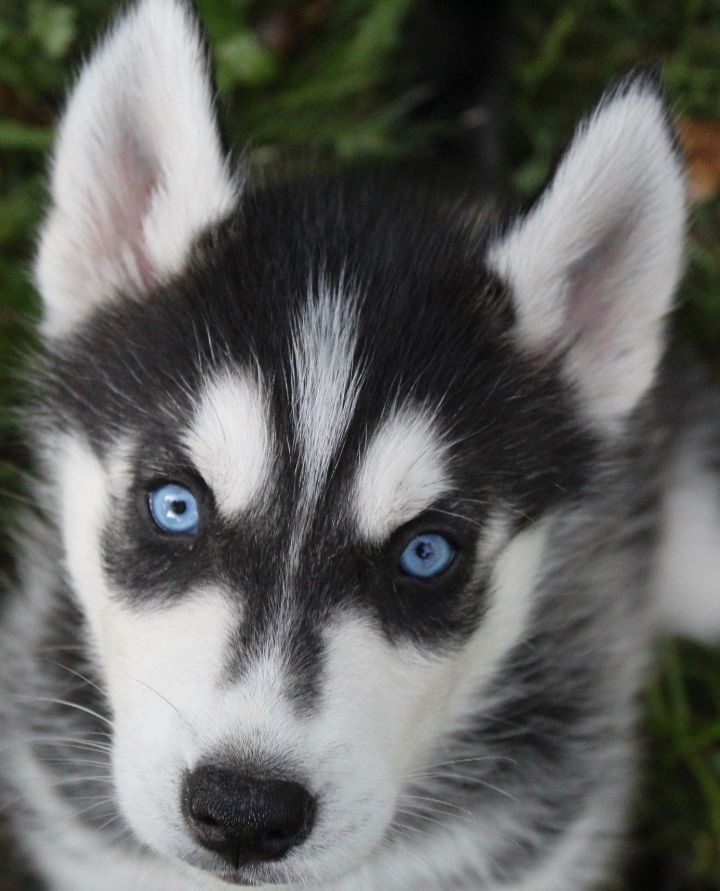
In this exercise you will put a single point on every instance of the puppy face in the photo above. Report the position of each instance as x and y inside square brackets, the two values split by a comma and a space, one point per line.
[309, 443]
[294, 632]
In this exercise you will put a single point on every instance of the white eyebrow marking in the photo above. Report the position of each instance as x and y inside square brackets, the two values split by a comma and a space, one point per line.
[230, 441]
[326, 379]
[403, 471]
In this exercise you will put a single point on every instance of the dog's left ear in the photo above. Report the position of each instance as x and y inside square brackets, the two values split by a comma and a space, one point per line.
[138, 168]
[594, 265]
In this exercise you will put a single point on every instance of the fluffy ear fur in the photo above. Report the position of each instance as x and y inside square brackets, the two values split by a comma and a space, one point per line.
[594, 265]
[138, 168]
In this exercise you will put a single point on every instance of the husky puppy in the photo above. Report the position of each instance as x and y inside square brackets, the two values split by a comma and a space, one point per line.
[361, 510]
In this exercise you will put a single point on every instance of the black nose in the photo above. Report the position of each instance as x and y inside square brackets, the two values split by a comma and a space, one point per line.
[245, 819]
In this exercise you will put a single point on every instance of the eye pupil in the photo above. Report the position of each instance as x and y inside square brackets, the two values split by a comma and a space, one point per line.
[427, 555]
[424, 550]
[178, 507]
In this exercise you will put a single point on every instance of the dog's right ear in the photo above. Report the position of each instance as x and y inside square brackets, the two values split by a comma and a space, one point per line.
[138, 169]
[594, 265]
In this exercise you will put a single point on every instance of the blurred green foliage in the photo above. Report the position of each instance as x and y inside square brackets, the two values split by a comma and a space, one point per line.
[680, 810]
[322, 76]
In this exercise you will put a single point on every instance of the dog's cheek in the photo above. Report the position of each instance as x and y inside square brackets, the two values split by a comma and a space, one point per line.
[388, 709]
[164, 668]
[397, 697]
[81, 500]
[377, 700]
[159, 666]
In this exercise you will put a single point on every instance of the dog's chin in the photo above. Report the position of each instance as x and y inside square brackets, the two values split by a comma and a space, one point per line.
[251, 876]
[265, 874]
[244, 877]
[241, 880]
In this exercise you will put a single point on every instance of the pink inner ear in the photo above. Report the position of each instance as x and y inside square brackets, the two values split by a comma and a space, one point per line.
[120, 204]
[593, 287]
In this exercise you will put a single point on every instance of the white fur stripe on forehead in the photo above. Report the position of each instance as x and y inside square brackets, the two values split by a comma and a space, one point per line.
[403, 471]
[138, 168]
[594, 265]
[325, 382]
[230, 441]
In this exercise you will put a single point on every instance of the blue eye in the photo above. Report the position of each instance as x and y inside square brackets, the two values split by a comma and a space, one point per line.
[174, 509]
[427, 555]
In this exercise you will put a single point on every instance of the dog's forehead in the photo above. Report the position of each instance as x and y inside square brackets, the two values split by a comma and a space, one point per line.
[331, 358]
[395, 467]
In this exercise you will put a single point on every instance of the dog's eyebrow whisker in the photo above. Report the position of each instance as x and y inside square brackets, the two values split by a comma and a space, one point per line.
[458, 516]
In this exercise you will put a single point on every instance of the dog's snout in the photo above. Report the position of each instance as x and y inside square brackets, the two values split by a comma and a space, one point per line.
[244, 819]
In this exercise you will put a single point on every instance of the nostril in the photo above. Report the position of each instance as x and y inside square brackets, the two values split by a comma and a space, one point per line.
[246, 819]
[205, 822]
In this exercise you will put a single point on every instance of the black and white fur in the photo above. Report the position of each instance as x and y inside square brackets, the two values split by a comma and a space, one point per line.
[334, 364]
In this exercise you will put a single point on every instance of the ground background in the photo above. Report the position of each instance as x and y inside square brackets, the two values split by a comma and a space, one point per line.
[339, 78]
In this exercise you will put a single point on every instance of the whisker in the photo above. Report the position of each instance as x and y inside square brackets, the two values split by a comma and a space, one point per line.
[449, 513]
[408, 833]
[495, 758]
[449, 804]
[413, 829]
[90, 807]
[70, 781]
[421, 816]
[69, 742]
[470, 779]
[77, 674]
[166, 701]
[78, 762]
[13, 801]
[93, 798]
[67, 703]
[109, 822]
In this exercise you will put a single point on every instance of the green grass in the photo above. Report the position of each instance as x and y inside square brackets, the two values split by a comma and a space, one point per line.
[682, 808]
[334, 92]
